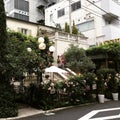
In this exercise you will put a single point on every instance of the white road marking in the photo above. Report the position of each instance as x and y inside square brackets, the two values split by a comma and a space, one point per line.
[92, 113]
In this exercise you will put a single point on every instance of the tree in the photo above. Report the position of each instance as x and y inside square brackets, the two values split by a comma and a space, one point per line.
[77, 60]
[108, 52]
[3, 41]
[21, 61]
[67, 28]
[7, 101]
[74, 29]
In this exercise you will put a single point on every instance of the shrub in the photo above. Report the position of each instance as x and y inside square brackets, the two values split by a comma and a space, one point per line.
[106, 80]
[76, 89]
[8, 107]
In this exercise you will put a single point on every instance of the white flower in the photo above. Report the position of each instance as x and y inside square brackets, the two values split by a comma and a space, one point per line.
[52, 85]
[49, 88]
[29, 49]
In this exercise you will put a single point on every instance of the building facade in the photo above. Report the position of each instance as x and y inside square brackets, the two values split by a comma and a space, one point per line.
[96, 19]
[62, 40]
[29, 10]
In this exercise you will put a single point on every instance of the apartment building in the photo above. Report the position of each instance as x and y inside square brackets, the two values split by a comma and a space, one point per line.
[99, 20]
[29, 10]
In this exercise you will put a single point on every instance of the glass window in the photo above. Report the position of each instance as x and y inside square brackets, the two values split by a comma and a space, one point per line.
[86, 26]
[22, 5]
[24, 31]
[22, 17]
[61, 12]
[75, 6]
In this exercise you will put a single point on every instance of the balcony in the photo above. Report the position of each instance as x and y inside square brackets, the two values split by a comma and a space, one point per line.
[111, 32]
[112, 9]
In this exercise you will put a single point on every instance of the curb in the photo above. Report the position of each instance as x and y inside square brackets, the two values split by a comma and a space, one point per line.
[23, 116]
[43, 112]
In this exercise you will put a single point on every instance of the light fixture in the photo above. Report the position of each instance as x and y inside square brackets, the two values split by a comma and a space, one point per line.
[40, 40]
[51, 48]
[42, 46]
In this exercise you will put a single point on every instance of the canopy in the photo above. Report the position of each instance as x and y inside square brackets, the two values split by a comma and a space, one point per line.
[55, 69]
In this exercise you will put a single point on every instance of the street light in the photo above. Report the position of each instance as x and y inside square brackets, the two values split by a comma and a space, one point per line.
[41, 46]
[51, 48]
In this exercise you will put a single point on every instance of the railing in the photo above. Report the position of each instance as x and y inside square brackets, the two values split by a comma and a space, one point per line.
[71, 37]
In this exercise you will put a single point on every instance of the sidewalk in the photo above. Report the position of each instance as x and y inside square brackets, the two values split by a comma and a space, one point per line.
[24, 112]
[28, 111]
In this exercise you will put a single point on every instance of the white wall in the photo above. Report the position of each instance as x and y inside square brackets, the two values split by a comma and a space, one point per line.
[34, 14]
[95, 35]
[14, 24]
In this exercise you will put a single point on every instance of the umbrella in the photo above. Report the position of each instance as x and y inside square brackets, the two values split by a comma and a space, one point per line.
[55, 69]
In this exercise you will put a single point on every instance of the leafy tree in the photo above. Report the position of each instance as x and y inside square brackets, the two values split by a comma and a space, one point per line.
[74, 29]
[7, 101]
[77, 60]
[110, 51]
[23, 61]
[3, 41]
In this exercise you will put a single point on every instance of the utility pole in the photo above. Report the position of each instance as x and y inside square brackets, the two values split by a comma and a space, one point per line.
[70, 16]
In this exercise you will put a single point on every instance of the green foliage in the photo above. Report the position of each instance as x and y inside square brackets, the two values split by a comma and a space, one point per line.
[90, 78]
[7, 103]
[96, 50]
[3, 33]
[8, 107]
[20, 60]
[112, 82]
[106, 77]
[111, 51]
[77, 60]
[74, 29]
[76, 89]
[67, 28]
[3, 41]
[39, 97]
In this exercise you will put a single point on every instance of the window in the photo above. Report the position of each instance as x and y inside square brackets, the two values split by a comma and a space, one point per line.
[86, 26]
[24, 31]
[22, 5]
[22, 17]
[61, 12]
[75, 6]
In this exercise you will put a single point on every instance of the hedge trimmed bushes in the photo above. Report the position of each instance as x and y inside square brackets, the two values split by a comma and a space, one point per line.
[8, 106]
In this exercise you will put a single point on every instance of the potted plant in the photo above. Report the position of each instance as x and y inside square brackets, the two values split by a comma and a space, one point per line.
[113, 85]
[100, 89]
[100, 86]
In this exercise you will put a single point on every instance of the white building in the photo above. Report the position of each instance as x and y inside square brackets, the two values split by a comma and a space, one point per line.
[29, 10]
[96, 19]
[62, 40]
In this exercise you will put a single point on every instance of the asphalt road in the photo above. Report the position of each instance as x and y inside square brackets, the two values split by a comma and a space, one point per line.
[105, 111]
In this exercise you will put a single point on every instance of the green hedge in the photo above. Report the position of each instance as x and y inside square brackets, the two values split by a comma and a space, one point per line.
[8, 107]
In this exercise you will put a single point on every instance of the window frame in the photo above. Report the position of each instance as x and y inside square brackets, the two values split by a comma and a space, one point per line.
[75, 6]
[61, 12]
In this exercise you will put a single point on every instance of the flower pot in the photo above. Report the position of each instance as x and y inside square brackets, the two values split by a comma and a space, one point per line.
[101, 98]
[115, 96]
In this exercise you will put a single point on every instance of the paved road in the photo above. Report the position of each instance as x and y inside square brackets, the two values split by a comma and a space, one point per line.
[106, 111]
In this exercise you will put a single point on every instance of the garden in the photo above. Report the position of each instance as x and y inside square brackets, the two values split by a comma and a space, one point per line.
[94, 76]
